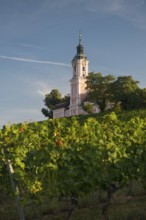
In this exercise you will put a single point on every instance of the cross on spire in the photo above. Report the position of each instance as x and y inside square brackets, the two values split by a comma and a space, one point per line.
[80, 38]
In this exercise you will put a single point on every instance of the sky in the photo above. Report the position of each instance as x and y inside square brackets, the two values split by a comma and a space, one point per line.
[38, 40]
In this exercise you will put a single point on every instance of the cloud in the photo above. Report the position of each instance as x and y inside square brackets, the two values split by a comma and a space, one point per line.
[41, 87]
[28, 45]
[34, 61]
[21, 44]
[43, 92]
[130, 10]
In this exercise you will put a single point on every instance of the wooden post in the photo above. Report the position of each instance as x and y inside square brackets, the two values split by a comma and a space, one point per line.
[15, 188]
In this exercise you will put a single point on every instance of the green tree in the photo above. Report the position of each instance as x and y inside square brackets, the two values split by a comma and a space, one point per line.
[66, 101]
[99, 89]
[47, 112]
[127, 92]
[109, 92]
[51, 100]
[142, 94]
[88, 107]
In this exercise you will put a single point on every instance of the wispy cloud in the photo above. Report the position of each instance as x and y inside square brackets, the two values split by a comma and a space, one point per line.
[41, 87]
[130, 10]
[34, 61]
[21, 44]
[28, 45]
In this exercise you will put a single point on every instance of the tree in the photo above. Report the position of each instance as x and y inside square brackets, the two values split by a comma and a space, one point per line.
[66, 101]
[48, 113]
[141, 98]
[99, 89]
[88, 107]
[109, 92]
[143, 91]
[51, 100]
[126, 91]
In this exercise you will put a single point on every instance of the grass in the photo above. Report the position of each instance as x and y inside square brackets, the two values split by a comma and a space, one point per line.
[123, 207]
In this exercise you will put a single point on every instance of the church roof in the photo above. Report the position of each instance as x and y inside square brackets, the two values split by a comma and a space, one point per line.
[80, 50]
[61, 105]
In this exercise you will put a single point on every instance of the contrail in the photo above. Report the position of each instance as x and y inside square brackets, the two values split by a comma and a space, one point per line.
[34, 61]
[21, 44]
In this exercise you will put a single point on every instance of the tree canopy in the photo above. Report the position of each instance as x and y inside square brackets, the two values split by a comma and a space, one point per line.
[125, 90]
[51, 100]
[109, 91]
[104, 91]
[99, 89]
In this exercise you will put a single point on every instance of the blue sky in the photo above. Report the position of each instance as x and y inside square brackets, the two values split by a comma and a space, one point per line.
[38, 40]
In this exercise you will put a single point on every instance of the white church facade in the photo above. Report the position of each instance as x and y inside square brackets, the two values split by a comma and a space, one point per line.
[77, 85]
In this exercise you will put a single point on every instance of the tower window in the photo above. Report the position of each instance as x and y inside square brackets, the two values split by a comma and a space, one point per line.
[83, 68]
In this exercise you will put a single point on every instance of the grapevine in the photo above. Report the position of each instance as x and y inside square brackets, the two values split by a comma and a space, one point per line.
[74, 155]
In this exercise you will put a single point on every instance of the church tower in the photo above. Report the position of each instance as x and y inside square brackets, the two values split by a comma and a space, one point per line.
[78, 81]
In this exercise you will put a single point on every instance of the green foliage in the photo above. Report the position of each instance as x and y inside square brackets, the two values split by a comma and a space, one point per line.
[99, 87]
[48, 113]
[127, 92]
[74, 155]
[109, 92]
[51, 100]
[88, 107]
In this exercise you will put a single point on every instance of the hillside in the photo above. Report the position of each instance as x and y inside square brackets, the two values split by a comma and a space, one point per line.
[73, 156]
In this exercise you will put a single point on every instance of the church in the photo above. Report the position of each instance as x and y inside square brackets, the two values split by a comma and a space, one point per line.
[77, 85]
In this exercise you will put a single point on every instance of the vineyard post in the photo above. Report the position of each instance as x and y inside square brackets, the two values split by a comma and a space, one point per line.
[15, 188]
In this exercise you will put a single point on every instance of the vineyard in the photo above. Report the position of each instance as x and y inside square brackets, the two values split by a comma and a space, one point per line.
[72, 157]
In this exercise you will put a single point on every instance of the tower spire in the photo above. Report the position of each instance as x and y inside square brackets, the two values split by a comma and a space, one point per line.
[80, 48]
[80, 37]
